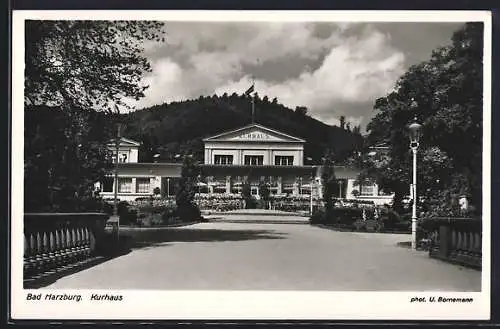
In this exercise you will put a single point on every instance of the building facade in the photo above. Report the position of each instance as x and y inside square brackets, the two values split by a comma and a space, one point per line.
[251, 154]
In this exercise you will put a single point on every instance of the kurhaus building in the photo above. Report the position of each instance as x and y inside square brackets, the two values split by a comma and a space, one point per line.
[251, 154]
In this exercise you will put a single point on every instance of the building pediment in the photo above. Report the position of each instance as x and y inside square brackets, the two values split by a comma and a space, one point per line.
[125, 143]
[254, 133]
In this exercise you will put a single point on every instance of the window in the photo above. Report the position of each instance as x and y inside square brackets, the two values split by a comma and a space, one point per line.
[125, 185]
[123, 158]
[281, 160]
[143, 185]
[254, 160]
[366, 190]
[107, 184]
[223, 159]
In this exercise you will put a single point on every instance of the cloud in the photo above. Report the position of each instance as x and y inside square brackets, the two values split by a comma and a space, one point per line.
[355, 71]
[333, 69]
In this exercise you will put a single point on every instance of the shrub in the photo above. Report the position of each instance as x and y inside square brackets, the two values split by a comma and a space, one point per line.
[188, 213]
[107, 208]
[317, 217]
[128, 216]
[391, 220]
[251, 203]
[170, 213]
[122, 207]
[345, 216]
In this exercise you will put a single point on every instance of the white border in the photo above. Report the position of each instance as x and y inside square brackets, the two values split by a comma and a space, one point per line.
[252, 304]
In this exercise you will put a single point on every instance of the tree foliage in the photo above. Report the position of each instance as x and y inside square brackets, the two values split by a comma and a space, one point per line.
[77, 73]
[265, 192]
[86, 64]
[328, 181]
[447, 90]
[59, 170]
[187, 185]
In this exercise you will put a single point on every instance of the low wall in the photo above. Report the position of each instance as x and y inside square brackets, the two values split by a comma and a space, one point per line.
[53, 240]
[456, 240]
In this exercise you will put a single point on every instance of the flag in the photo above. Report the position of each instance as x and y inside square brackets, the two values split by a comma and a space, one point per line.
[250, 90]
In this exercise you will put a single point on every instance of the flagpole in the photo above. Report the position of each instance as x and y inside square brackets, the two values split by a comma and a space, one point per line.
[253, 100]
[253, 108]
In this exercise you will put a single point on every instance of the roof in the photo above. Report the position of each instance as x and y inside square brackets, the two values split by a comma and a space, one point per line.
[256, 127]
[125, 142]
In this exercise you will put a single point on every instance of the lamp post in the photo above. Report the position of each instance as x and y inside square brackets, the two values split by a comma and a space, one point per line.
[414, 129]
[115, 210]
[340, 189]
[311, 195]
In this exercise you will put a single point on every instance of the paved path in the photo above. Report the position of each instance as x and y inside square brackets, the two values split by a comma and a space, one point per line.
[241, 256]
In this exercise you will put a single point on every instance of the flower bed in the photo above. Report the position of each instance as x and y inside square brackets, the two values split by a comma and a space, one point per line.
[219, 202]
[362, 218]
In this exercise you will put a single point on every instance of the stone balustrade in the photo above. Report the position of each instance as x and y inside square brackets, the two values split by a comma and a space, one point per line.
[456, 240]
[54, 240]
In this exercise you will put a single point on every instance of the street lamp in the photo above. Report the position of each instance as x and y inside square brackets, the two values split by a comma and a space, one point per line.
[311, 196]
[115, 210]
[415, 132]
[340, 189]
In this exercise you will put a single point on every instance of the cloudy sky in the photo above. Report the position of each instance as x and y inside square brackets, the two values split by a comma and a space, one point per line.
[332, 68]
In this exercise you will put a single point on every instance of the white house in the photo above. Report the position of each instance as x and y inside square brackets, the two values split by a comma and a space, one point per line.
[250, 154]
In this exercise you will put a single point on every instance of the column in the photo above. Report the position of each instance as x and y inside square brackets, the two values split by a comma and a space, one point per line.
[280, 185]
[295, 187]
[207, 156]
[210, 181]
[134, 185]
[228, 184]
[319, 188]
[349, 189]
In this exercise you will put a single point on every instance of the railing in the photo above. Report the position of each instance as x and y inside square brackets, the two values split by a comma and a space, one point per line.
[53, 240]
[456, 240]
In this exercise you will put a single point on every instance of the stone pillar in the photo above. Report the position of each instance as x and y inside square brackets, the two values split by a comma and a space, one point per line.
[319, 188]
[279, 189]
[134, 185]
[228, 184]
[210, 181]
[375, 189]
[295, 187]
[349, 189]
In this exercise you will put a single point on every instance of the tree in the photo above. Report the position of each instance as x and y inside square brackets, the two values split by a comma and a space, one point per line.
[356, 130]
[328, 181]
[301, 110]
[187, 187]
[59, 171]
[342, 122]
[246, 194]
[76, 74]
[86, 64]
[265, 192]
[445, 93]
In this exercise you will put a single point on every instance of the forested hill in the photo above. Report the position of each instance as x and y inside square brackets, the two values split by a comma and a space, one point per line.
[179, 127]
